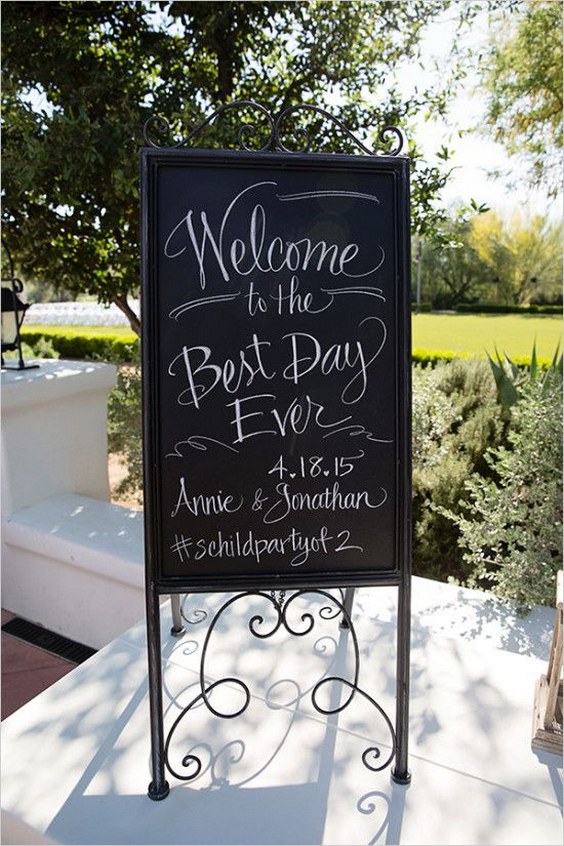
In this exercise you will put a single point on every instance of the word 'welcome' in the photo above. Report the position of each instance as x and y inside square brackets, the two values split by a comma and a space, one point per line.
[262, 250]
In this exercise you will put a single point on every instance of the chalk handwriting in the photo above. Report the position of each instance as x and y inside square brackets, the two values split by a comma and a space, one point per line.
[205, 504]
[357, 429]
[203, 301]
[263, 249]
[273, 367]
[315, 466]
[201, 442]
[308, 354]
[328, 193]
[243, 544]
[301, 414]
[329, 499]
[231, 374]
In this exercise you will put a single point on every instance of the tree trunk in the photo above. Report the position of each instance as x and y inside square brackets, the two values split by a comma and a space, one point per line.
[134, 321]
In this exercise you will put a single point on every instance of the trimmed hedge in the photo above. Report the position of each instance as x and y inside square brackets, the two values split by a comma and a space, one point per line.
[70, 343]
[81, 344]
[487, 308]
[429, 358]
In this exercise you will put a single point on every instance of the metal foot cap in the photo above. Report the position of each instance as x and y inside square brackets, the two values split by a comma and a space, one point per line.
[401, 778]
[157, 795]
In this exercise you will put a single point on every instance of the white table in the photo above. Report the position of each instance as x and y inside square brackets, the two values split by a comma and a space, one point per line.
[75, 760]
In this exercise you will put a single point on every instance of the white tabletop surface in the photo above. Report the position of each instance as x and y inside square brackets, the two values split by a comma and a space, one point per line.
[76, 759]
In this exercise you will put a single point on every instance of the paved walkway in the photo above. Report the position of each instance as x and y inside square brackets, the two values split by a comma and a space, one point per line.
[27, 670]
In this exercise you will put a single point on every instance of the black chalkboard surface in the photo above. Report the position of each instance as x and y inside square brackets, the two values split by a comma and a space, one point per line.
[276, 357]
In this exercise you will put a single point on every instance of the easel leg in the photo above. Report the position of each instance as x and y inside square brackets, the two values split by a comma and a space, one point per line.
[177, 629]
[348, 606]
[158, 788]
[400, 772]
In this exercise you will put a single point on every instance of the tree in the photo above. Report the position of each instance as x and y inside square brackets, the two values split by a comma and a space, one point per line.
[522, 258]
[523, 77]
[452, 271]
[513, 261]
[81, 79]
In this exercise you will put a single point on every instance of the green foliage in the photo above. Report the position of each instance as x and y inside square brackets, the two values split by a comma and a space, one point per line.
[491, 308]
[511, 525]
[81, 344]
[485, 263]
[455, 419]
[523, 76]
[70, 123]
[40, 348]
[125, 429]
[451, 270]
[426, 358]
[522, 258]
[81, 79]
[510, 378]
[46, 292]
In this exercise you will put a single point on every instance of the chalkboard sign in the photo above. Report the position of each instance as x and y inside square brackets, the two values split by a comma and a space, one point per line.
[276, 357]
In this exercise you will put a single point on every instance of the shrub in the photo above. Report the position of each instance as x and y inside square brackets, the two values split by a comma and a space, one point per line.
[455, 419]
[489, 308]
[429, 358]
[510, 377]
[81, 344]
[125, 428]
[511, 525]
[41, 348]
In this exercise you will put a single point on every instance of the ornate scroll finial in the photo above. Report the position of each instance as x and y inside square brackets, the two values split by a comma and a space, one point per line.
[157, 127]
[400, 137]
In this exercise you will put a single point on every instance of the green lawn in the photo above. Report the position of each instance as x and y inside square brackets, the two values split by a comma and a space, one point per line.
[479, 334]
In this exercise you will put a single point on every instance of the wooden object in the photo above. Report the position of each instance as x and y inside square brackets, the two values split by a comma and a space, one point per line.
[547, 716]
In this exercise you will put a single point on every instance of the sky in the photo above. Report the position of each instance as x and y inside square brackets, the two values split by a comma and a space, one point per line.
[476, 155]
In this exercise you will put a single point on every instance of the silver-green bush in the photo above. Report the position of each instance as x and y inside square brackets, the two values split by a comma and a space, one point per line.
[456, 417]
[511, 526]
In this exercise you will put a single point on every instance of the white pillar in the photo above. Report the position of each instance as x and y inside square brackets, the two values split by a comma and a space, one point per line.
[54, 432]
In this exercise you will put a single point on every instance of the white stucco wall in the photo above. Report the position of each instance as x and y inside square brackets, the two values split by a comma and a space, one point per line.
[71, 560]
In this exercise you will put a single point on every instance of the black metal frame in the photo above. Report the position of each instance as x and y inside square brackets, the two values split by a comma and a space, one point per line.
[156, 585]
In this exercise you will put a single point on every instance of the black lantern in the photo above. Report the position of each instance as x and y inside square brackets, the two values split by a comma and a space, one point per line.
[13, 313]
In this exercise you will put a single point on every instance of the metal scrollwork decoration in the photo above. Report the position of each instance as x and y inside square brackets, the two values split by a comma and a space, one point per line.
[283, 613]
[300, 132]
[197, 616]
[279, 130]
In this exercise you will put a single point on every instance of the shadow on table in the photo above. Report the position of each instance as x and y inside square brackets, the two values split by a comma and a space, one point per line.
[227, 803]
